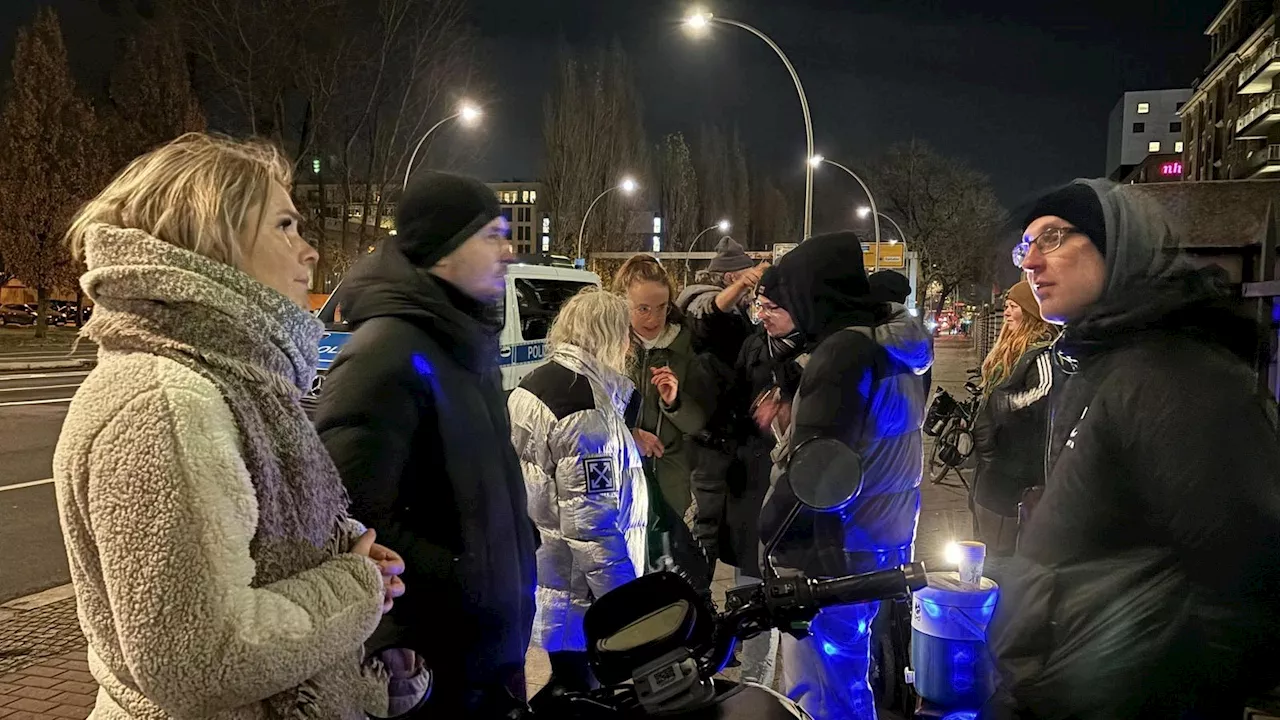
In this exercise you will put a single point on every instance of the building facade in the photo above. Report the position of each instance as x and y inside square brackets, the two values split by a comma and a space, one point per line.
[1232, 121]
[1144, 125]
[524, 206]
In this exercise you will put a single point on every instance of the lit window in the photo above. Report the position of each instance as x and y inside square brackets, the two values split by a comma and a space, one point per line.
[533, 196]
[1153, 146]
[657, 244]
[1177, 147]
[546, 243]
[315, 165]
[546, 224]
[1144, 108]
[524, 196]
[657, 224]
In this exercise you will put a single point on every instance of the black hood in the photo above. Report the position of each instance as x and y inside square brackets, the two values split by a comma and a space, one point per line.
[387, 284]
[823, 284]
[1152, 287]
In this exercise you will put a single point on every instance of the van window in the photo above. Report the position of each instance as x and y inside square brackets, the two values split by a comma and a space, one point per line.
[538, 301]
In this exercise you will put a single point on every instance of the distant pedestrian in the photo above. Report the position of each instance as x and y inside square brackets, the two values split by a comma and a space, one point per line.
[414, 415]
[583, 473]
[1009, 433]
[1147, 579]
[215, 568]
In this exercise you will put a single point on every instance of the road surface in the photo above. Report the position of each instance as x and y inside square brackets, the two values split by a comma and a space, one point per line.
[32, 407]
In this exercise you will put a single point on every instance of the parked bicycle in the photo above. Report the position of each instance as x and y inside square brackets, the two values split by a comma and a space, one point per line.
[951, 422]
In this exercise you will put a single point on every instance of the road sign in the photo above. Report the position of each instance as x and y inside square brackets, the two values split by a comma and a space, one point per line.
[893, 256]
[780, 249]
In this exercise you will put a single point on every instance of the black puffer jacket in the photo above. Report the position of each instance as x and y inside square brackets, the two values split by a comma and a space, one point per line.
[865, 392]
[1009, 434]
[414, 415]
[1147, 581]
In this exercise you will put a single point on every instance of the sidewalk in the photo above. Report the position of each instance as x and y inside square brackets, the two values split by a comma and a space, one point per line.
[43, 674]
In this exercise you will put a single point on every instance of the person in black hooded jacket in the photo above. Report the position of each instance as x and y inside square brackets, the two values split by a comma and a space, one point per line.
[414, 415]
[1146, 582]
[860, 385]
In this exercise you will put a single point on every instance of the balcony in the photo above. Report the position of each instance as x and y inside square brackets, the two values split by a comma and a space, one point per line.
[1263, 163]
[1257, 75]
[1259, 118]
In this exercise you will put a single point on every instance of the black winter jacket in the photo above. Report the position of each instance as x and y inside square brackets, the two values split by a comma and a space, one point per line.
[1009, 435]
[414, 415]
[1147, 581]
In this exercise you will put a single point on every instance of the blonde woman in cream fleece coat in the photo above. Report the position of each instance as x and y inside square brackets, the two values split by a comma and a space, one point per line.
[216, 571]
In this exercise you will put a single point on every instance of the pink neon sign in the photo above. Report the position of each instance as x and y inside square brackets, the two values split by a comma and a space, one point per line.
[1171, 168]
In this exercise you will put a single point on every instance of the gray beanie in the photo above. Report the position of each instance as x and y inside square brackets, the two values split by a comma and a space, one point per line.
[730, 257]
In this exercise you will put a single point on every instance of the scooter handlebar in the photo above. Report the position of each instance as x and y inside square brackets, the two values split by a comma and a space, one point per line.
[868, 587]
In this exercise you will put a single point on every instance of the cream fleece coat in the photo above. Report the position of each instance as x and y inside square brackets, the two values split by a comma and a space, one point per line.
[158, 511]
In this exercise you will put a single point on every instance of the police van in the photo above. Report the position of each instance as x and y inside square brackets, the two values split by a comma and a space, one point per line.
[537, 287]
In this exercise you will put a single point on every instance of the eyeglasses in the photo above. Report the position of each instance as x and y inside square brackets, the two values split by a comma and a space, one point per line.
[646, 311]
[1046, 242]
[761, 308]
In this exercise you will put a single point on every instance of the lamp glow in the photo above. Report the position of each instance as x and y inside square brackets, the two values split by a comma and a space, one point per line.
[628, 185]
[863, 212]
[951, 554]
[469, 113]
[698, 20]
[723, 225]
[816, 161]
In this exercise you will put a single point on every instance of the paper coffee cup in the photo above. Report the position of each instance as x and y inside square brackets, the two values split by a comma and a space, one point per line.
[973, 555]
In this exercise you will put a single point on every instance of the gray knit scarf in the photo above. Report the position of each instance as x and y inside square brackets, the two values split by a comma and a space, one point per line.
[260, 350]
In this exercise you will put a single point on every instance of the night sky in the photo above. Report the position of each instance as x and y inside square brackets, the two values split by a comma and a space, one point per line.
[1020, 89]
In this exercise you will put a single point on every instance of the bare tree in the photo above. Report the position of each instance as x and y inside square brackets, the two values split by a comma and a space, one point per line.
[725, 187]
[51, 162]
[948, 210]
[594, 133]
[679, 189]
[773, 218]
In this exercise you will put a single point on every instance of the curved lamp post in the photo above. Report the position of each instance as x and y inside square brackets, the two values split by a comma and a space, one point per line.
[722, 226]
[467, 113]
[864, 211]
[627, 186]
[817, 160]
[699, 22]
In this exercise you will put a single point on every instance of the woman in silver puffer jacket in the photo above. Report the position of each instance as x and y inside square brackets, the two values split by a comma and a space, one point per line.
[583, 474]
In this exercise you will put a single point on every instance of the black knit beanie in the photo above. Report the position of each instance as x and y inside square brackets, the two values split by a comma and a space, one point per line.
[1079, 205]
[438, 212]
[889, 286]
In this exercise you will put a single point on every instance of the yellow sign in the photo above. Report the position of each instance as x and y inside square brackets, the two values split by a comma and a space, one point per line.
[893, 256]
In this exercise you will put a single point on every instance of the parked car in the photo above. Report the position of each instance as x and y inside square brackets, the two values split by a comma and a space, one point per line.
[17, 315]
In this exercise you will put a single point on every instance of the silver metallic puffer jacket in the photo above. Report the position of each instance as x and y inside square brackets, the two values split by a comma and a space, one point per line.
[586, 488]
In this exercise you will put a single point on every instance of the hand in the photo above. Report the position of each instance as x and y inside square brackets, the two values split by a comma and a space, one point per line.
[667, 383]
[765, 412]
[751, 276]
[649, 444]
[392, 566]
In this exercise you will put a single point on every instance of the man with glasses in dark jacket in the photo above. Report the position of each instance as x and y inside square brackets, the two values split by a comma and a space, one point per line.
[1146, 582]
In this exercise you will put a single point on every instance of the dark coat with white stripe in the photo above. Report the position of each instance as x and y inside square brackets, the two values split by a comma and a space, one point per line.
[1009, 434]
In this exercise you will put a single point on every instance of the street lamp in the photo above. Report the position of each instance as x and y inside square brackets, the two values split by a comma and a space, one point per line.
[864, 211]
[817, 160]
[698, 22]
[469, 114]
[722, 226]
[627, 186]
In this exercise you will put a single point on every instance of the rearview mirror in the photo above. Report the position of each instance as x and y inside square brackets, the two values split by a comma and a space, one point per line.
[825, 474]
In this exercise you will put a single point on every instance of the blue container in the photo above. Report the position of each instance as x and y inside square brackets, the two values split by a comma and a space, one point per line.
[948, 641]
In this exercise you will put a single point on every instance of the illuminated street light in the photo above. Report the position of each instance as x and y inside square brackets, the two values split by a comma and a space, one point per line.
[469, 115]
[723, 226]
[818, 160]
[698, 22]
[864, 211]
[627, 186]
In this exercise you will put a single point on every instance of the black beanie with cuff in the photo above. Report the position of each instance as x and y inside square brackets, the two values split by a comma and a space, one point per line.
[438, 212]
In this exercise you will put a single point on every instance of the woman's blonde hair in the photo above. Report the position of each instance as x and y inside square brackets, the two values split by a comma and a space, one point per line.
[1011, 345]
[598, 322]
[642, 268]
[195, 192]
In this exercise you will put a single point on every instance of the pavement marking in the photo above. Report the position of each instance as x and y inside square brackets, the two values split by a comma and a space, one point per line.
[19, 486]
[38, 387]
[43, 376]
[41, 599]
[14, 403]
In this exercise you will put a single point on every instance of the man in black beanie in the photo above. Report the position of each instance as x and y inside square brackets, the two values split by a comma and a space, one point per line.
[414, 416]
[889, 286]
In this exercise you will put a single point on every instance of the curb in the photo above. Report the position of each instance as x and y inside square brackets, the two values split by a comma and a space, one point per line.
[68, 364]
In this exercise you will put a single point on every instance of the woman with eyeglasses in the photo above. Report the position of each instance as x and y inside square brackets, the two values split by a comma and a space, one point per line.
[1009, 434]
[668, 409]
